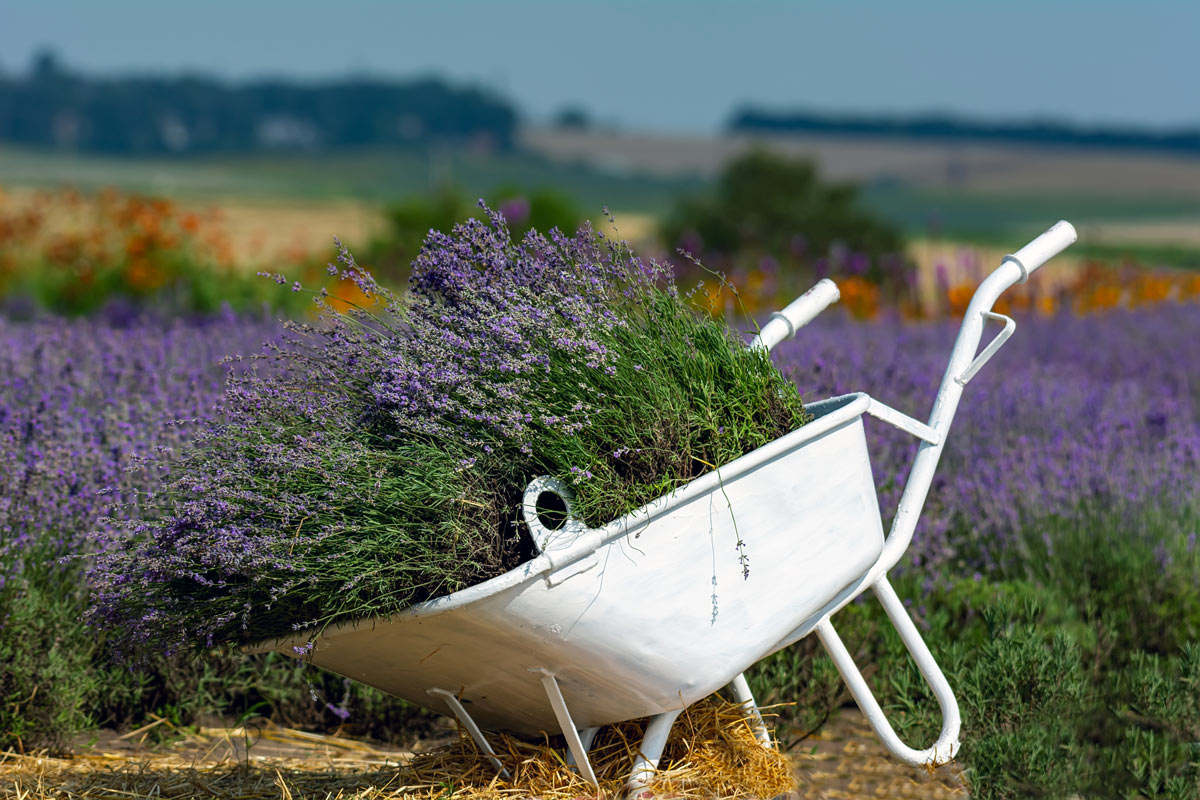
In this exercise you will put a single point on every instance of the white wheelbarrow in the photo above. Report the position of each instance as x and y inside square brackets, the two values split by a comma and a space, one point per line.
[652, 612]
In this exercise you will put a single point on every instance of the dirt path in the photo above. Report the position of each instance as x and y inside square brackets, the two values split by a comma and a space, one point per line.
[849, 762]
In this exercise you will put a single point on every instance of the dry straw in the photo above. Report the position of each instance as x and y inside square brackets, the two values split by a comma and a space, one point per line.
[712, 753]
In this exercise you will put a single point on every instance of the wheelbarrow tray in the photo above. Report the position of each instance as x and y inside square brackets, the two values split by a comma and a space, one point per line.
[652, 612]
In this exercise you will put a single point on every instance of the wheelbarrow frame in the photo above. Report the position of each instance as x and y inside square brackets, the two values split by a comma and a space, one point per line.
[964, 364]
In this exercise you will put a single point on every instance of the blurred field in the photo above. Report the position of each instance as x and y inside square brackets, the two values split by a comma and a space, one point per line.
[364, 176]
[985, 189]
[952, 187]
[250, 234]
[963, 206]
[993, 169]
[1179, 233]
[260, 233]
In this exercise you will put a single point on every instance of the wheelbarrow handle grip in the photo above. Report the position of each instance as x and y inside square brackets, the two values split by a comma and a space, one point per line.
[798, 313]
[1045, 247]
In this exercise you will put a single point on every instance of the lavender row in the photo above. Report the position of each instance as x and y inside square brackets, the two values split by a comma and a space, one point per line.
[83, 404]
[1101, 409]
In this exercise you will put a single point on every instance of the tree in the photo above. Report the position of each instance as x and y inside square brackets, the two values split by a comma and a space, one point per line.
[769, 205]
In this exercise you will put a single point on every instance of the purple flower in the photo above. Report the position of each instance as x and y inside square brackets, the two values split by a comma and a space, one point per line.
[516, 210]
[338, 711]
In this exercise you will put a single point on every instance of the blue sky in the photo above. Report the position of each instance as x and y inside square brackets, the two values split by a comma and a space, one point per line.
[669, 65]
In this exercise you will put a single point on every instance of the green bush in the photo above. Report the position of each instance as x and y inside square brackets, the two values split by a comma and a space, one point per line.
[46, 678]
[1130, 574]
[225, 685]
[56, 679]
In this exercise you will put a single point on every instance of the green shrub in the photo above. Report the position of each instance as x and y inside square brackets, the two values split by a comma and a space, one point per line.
[223, 685]
[1156, 702]
[1130, 574]
[46, 678]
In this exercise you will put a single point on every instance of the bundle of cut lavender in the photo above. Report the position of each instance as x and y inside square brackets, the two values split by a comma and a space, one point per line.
[377, 459]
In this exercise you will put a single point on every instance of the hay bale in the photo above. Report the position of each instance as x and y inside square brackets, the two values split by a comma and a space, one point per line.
[712, 752]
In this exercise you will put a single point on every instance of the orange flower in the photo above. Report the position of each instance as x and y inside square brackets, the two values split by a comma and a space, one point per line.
[141, 276]
[147, 220]
[64, 249]
[1190, 288]
[911, 310]
[959, 297]
[1102, 297]
[1150, 289]
[224, 254]
[345, 295]
[860, 296]
[1020, 301]
[136, 244]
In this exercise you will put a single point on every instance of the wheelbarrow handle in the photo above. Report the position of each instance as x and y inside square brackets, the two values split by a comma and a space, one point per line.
[1059, 237]
[798, 313]
[964, 364]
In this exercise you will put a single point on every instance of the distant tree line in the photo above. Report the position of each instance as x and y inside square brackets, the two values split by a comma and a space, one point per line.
[751, 119]
[52, 106]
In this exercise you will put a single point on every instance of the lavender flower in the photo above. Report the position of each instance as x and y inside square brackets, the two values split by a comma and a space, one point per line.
[376, 460]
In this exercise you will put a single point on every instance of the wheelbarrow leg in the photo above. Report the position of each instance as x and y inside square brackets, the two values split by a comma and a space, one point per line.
[569, 731]
[586, 737]
[467, 722]
[743, 695]
[651, 750]
[947, 743]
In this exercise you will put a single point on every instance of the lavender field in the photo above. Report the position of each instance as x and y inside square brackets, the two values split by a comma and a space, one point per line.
[1098, 411]
[83, 404]
[1102, 409]
[1085, 424]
